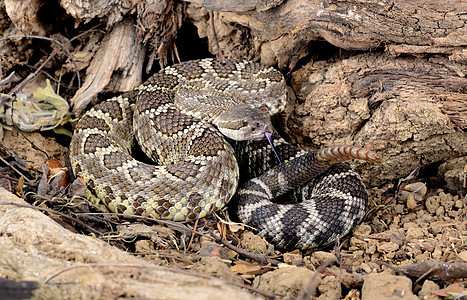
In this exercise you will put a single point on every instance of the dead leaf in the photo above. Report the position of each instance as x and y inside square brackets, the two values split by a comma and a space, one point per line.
[454, 288]
[56, 170]
[245, 268]
[463, 255]
[235, 227]
[19, 187]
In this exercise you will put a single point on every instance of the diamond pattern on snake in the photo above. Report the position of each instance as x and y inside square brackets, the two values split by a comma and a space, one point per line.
[181, 117]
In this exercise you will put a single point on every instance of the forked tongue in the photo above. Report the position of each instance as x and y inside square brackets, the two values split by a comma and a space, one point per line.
[268, 136]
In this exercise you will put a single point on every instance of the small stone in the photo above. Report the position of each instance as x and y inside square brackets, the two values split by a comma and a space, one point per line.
[436, 228]
[214, 266]
[371, 249]
[255, 244]
[388, 247]
[347, 279]
[357, 243]
[415, 233]
[437, 254]
[323, 257]
[422, 257]
[432, 204]
[398, 208]
[385, 286]
[440, 211]
[329, 288]
[398, 239]
[288, 281]
[362, 231]
[366, 268]
[459, 204]
[411, 225]
[293, 258]
[426, 291]
[445, 197]
[396, 220]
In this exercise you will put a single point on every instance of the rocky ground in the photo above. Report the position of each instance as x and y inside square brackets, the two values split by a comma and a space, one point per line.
[397, 252]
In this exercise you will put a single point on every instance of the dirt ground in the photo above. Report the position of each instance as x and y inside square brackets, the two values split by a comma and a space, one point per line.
[382, 258]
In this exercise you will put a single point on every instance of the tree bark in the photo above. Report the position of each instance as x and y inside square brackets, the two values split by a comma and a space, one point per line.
[282, 35]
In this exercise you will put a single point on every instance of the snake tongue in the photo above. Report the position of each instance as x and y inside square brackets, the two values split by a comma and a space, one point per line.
[268, 136]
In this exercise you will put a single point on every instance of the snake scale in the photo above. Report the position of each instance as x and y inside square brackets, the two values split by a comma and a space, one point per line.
[177, 117]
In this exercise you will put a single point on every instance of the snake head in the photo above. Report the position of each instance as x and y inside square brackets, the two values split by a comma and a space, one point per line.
[244, 123]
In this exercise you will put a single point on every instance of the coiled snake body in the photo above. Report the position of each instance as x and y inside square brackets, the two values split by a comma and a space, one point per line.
[173, 116]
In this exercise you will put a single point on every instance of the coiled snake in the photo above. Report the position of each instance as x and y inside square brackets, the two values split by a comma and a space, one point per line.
[174, 116]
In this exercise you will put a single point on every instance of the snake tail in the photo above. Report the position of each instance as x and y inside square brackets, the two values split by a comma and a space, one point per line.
[336, 154]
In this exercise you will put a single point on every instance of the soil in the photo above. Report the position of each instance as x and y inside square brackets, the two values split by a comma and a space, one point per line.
[398, 232]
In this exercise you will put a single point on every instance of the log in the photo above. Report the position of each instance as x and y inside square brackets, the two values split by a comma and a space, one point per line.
[282, 35]
[117, 66]
[412, 111]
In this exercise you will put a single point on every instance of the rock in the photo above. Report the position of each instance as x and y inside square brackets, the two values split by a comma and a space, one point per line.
[323, 257]
[432, 204]
[427, 287]
[347, 279]
[388, 247]
[255, 243]
[214, 266]
[415, 233]
[36, 247]
[362, 231]
[385, 286]
[329, 288]
[293, 258]
[287, 281]
[452, 173]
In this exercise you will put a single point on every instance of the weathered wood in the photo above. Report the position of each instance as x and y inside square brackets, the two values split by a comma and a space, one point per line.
[237, 6]
[282, 35]
[24, 14]
[34, 247]
[110, 11]
[117, 66]
[412, 111]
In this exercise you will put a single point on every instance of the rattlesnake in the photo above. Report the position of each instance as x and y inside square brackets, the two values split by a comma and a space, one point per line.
[197, 173]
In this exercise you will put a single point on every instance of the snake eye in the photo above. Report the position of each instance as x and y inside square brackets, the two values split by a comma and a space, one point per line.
[245, 122]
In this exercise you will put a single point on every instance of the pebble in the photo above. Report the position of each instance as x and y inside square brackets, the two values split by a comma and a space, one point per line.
[388, 247]
[323, 257]
[415, 233]
[329, 288]
[432, 204]
[362, 231]
[386, 286]
[440, 211]
[399, 208]
[287, 281]
[255, 244]
[427, 287]
[293, 258]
